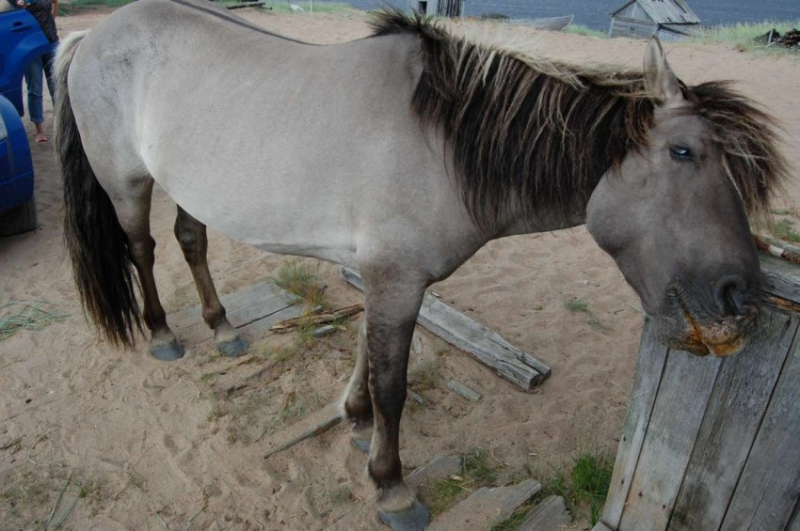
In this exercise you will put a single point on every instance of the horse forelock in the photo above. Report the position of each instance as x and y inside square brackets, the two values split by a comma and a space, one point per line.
[536, 135]
[748, 139]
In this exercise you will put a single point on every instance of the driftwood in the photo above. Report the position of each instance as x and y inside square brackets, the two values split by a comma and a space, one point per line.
[485, 345]
[288, 325]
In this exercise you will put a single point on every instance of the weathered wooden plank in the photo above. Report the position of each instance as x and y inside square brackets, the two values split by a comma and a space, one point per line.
[488, 347]
[678, 411]
[780, 277]
[769, 486]
[600, 526]
[264, 295]
[441, 467]
[649, 369]
[486, 507]
[253, 331]
[741, 392]
[549, 515]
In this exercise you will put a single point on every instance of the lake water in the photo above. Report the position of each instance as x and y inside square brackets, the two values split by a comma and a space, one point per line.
[595, 13]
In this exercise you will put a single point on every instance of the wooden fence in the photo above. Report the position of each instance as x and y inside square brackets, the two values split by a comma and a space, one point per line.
[714, 443]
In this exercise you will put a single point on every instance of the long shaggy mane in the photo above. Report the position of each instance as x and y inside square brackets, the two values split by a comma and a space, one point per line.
[536, 135]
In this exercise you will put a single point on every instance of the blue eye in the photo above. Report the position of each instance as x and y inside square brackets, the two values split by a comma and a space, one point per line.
[681, 153]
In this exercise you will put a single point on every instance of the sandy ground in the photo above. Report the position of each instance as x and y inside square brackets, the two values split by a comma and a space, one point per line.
[181, 445]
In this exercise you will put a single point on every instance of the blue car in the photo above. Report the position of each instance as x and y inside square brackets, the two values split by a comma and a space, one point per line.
[21, 40]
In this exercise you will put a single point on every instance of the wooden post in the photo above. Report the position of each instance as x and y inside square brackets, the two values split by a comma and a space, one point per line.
[714, 443]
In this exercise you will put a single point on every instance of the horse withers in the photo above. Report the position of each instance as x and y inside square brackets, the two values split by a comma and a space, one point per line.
[401, 155]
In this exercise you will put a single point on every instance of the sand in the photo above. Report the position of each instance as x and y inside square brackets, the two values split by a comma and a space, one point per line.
[152, 444]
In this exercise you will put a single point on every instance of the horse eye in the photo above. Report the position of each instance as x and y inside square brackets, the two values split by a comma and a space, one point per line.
[681, 153]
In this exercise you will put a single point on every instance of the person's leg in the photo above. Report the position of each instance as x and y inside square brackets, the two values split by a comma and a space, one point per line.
[48, 64]
[33, 80]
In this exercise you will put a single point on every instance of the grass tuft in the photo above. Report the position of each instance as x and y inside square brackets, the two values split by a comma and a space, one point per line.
[576, 306]
[591, 478]
[477, 470]
[425, 375]
[742, 35]
[578, 29]
[784, 229]
[26, 316]
[301, 279]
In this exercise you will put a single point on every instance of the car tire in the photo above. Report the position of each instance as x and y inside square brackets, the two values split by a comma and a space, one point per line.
[19, 219]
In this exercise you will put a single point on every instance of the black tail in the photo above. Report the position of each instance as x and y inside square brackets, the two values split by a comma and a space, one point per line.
[97, 245]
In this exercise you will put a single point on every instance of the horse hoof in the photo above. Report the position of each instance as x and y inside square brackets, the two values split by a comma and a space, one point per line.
[167, 351]
[233, 347]
[361, 444]
[414, 519]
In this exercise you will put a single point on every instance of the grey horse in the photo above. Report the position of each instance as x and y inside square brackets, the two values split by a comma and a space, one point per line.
[401, 155]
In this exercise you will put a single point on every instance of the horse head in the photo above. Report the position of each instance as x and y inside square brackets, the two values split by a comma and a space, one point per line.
[673, 214]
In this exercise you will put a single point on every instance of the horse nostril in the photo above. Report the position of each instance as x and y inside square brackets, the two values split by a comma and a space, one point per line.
[731, 295]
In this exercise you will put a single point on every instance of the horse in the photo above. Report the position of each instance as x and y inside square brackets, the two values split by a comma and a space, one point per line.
[400, 154]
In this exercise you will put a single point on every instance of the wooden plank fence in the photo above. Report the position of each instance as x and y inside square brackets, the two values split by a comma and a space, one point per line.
[714, 443]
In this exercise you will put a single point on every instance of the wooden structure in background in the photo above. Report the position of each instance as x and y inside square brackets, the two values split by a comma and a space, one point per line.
[442, 8]
[671, 20]
[711, 443]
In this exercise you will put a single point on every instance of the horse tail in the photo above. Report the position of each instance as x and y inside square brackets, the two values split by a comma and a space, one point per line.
[97, 245]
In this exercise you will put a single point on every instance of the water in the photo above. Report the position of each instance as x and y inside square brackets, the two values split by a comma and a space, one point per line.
[595, 13]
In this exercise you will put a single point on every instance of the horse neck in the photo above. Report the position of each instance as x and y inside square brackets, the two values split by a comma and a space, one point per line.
[522, 223]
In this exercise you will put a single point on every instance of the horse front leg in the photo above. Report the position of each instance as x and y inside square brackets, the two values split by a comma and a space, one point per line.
[191, 235]
[392, 307]
[357, 403]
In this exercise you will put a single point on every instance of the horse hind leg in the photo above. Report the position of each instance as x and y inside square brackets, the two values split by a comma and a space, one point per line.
[191, 235]
[134, 216]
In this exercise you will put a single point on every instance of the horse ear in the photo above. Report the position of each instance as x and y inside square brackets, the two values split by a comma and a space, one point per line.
[659, 79]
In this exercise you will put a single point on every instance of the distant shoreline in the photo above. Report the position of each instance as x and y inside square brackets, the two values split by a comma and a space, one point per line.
[595, 14]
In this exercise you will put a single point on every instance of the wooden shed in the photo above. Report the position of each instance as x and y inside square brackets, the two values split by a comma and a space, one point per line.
[714, 443]
[442, 8]
[671, 20]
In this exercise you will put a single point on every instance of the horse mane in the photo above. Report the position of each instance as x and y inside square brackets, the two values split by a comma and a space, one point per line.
[536, 135]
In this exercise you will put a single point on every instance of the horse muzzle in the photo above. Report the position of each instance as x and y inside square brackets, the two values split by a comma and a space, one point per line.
[723, 336]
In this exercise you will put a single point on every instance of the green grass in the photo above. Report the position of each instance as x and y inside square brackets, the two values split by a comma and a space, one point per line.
[591, 477]
[308, 7]
[742, 35]
[444, 494]
[300, 278]
[513, 521]
[72, 7]
[576, 306]
[578, 29]
[425, 375]
[784, 229]
[30, 316]
[477, 470]
[583, 484]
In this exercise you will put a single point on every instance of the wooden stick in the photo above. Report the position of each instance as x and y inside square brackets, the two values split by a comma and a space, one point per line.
[322, 318]
[326, 424]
